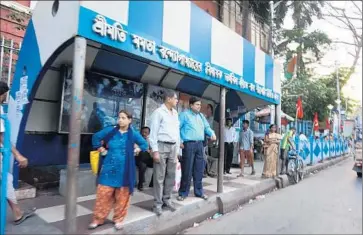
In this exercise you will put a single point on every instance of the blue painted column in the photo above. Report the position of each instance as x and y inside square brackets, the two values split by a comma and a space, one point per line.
[6, 151]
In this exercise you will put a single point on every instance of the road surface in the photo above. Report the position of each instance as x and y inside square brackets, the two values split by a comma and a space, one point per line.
[325, 203]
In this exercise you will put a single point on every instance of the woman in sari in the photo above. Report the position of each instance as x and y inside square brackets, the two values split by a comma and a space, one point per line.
[116, 179]
[272, 151]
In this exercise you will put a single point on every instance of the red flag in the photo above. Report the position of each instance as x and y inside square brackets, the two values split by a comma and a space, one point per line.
[327, 124]
[316, 122]
[299, 109]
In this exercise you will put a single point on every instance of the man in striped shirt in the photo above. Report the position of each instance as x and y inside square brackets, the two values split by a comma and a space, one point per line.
[246, 147]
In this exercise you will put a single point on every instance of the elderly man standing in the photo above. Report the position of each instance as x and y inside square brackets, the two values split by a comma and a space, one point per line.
[193, 128]
[164, 142]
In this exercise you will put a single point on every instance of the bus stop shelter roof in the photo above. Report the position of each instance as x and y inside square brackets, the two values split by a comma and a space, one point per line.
[171, 44]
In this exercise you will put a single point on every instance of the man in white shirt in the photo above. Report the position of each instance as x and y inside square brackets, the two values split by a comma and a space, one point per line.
[19, 215]
[229, 141]
[303, 137]
[165, 143]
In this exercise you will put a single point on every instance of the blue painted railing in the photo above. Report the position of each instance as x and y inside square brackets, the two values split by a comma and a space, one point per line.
[6, 153]
[317, 150]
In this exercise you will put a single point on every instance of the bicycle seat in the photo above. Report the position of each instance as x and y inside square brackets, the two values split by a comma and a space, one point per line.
[292, 153]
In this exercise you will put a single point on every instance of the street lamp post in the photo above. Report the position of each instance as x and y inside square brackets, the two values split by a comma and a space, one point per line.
[338, 101]
[330, 107]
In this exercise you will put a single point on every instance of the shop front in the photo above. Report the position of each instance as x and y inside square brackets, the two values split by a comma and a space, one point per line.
[130, 51]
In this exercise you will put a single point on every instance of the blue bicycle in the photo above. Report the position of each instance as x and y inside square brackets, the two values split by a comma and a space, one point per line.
[295, 167]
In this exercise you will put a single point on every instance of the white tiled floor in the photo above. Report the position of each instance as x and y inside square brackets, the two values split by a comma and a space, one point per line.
[140, 197]
[136, 213]
[56, 213]
[188, 201]
[86, 198]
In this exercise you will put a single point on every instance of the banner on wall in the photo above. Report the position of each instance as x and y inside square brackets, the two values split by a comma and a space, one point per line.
[103, 98]
[348, 128]
[154, 100]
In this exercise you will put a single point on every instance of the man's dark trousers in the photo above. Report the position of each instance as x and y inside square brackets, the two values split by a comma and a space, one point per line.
[228, 156]
[192, 165]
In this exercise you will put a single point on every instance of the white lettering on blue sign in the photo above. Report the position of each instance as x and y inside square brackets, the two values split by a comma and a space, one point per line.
[143, 44]
[231, 78]
[243, 84]
[117, 33]
[212, 71]
[252, 87]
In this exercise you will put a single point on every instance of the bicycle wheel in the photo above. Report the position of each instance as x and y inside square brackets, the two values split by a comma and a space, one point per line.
[292, 171]
[300, 169]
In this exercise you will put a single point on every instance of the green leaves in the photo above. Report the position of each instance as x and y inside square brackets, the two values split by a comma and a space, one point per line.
[317, 94]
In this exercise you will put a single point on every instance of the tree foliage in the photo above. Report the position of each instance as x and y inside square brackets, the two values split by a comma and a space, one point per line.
[317, 93]
[311, 47]
[303, 12]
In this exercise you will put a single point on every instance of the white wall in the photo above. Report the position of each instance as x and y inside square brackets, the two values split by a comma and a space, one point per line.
[45, 110]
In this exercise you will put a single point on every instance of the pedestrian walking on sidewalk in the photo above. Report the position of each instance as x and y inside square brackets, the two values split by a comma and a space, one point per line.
[164, 142]
[18, 213]
[193, 128]
[229, 141]
[116, 178]
[272, 151]
[246, 147]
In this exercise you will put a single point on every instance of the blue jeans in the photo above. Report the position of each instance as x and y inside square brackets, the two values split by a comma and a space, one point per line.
[192, 164]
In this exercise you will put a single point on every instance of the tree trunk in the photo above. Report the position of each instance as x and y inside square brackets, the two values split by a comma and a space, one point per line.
[245, 18]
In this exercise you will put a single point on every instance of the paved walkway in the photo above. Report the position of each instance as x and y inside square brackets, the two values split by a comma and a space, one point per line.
[49, 217]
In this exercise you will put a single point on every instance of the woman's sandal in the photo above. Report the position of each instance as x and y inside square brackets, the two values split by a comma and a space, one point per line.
[118, 226]
[92, 226]
[25, 216]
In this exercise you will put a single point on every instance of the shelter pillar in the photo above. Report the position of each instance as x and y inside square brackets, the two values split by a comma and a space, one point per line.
[278, 124]
[222, 120]
[79, 62]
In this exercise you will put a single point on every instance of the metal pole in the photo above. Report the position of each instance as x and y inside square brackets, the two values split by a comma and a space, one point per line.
[338, 90]
[79, 58]
[2, 46]
[278, 124]
[222, 121]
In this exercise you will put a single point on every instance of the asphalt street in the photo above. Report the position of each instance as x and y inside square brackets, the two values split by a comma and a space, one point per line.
[329, 202]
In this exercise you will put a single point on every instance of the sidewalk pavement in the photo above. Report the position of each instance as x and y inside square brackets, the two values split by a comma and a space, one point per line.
[49, 218]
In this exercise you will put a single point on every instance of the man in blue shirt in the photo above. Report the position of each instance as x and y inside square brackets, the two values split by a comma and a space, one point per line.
[193, 128]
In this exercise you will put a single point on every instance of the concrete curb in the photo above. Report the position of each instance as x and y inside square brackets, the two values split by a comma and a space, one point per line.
[282, 181]
[324, 165]
[228, 202]
[170, 222]
[186, 216]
